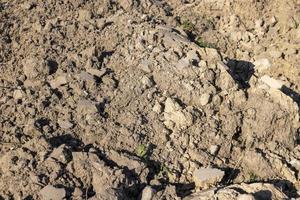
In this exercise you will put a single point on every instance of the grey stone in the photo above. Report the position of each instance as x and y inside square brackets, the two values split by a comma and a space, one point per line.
[205, 177]
[52, 193]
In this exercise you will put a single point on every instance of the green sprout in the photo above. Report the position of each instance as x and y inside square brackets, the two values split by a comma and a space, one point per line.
[201, 43]
[188, 26]
[141, 150]
[253, 177]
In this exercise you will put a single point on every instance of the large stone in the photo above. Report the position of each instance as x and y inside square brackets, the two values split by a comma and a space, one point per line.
[204, 177]
[52, 193]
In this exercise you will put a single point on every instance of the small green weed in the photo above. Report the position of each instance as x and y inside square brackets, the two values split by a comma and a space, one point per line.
[253, 177]
[201, 43]
[141, 150]
[188, 26]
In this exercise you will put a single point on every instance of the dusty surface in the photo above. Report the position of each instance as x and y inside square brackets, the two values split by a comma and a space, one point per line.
[122, 99]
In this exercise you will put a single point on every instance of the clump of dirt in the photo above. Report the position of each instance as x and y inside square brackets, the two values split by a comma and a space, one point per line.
[128, 99]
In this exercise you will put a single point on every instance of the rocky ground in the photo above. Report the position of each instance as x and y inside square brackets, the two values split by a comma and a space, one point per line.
[152, 99]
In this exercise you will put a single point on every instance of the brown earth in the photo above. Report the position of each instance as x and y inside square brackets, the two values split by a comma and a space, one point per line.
[123, 99]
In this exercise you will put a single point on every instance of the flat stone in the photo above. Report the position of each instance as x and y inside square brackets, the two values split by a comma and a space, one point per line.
[205, 177]
[52, 193]
[271, 82]
[86, 107]
[84, 76]
[58, 81]
[183, 63]
[96, 72]
[61, 154]
[65, 124]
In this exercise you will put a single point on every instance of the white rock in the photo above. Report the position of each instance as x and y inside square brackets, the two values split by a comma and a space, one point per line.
[52, 193]
[18, 94]
[157, 107]
[147, 193]
[205, 99]
[213, 149]
[245, 197]
[271, 82]
[262, 64]
[205, 177]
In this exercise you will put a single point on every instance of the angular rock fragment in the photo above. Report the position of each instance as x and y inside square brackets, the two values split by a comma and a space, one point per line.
[52, 193]
[174, 113]
[205, 177]
[58, 81]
